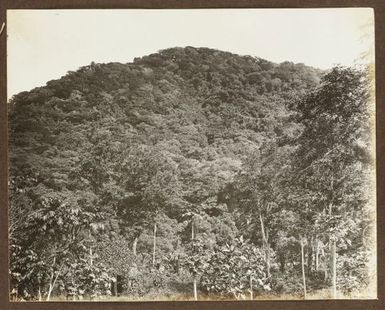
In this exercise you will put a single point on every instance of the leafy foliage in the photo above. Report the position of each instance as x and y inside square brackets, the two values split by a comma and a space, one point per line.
[235, 269]
[131, 178]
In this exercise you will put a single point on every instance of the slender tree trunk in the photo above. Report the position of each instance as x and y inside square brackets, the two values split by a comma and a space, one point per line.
[251, 288]
[195, 288]
[135, 243]
[334, 270]
[53, 279]
[303, 269]
[154, 250]
[39, 293]
[268, 263]
[176, 267]
[266, 247]
[317, 255]
[268, 259]
[192, 230]
[90, 250]
[52, 283]
[333, 258]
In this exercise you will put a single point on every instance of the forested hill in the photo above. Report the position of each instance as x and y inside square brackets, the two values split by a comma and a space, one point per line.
[162, 162]
[196, 104]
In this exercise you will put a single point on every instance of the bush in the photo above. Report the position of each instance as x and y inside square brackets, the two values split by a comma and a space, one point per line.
[235, 270]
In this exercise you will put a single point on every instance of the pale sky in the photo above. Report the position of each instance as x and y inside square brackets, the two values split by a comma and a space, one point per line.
[45, 44]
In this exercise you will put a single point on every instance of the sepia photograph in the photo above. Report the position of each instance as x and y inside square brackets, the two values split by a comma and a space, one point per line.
[191, 154]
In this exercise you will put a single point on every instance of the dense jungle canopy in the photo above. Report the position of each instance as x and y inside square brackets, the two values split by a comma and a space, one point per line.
[192, 171]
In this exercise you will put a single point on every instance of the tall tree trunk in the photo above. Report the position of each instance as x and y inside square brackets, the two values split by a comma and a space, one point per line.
[334, 269]
[251, 288]
[52, 282]
[333, 258]
[39, 292]
[176, 266]
[303, 269]
[134, 245]
[266, 246]
[195, 288]
[154, 250]
[50, 286]
[90, 250]
[317, 255]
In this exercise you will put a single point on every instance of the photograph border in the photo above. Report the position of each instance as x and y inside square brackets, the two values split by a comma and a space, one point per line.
[379, 11]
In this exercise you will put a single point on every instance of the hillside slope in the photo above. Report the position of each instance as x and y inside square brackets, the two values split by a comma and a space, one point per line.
[129, 164]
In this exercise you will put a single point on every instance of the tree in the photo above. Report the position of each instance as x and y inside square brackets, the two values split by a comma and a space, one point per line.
[335, 153]
[260, 190]
[196, 261]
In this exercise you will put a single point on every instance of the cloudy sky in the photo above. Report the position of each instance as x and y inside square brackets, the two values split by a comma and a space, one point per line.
[45, 44]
